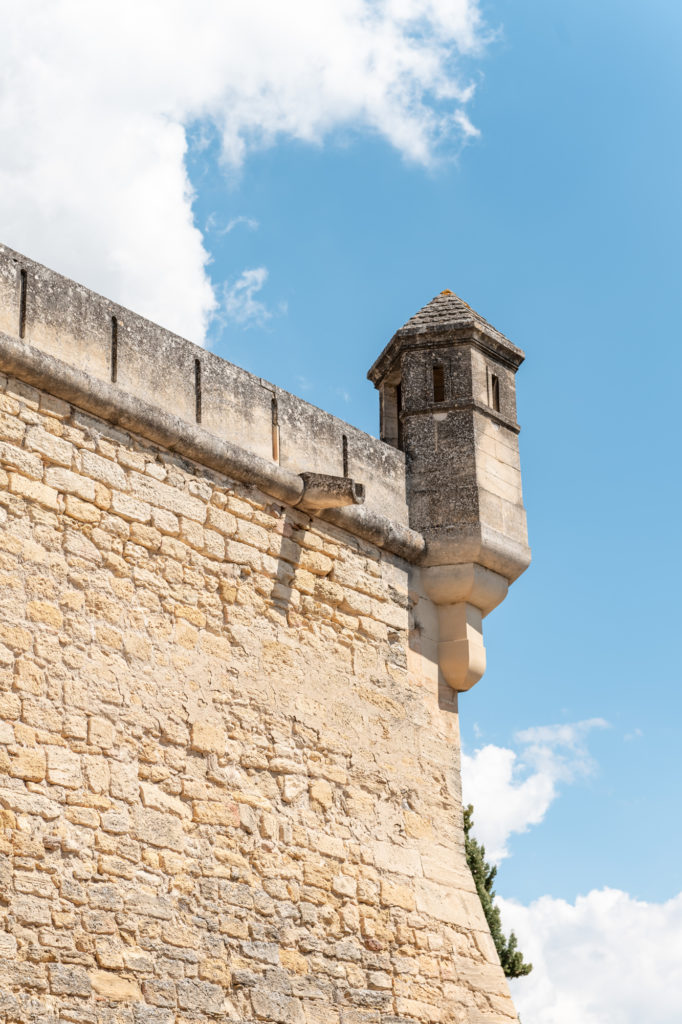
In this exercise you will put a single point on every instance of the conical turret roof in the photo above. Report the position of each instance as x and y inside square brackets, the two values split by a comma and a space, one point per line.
[445, 312]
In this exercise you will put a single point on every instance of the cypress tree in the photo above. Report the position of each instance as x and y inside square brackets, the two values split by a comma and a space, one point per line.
[484, 874]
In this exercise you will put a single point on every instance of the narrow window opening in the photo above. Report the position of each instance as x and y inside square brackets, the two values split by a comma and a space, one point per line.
[390, 413]
[23, 288]
[399, 412]
[114, 349]
[275, 430]
[438, 384]
[344, 447]
[495, 392]
[197, 390]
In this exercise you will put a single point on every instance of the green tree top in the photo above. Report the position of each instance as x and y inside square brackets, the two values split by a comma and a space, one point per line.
[484, 874]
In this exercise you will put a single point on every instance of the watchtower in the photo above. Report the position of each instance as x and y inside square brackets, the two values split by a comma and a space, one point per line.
[448, 400]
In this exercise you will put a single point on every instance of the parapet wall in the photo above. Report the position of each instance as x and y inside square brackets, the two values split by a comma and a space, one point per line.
[63, 319]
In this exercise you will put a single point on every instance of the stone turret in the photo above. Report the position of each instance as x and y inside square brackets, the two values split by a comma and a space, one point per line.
[448, 400]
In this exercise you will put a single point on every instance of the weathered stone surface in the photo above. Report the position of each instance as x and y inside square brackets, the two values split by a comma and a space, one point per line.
[113, 986]
[208, 737]
[154, 797]
[157, 828]
[68, 981]
[63, 768]
[28, 764]
[224, 757]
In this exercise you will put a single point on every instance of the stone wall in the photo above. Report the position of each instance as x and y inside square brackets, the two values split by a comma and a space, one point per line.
[62, 319]
[229, 781]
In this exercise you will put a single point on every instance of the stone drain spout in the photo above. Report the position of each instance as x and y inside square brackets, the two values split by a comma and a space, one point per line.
[322, 491]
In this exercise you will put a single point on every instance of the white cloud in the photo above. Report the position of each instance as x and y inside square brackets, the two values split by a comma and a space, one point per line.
[605, 959]
[462, 121]
[513, 790]
[249, 222]
[239, 299]
[96, 100]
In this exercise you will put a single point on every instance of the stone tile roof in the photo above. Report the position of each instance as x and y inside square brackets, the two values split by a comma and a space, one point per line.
[445, 310]
[443, 313]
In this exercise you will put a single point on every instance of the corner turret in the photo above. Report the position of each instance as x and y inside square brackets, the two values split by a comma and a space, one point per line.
[448, 400]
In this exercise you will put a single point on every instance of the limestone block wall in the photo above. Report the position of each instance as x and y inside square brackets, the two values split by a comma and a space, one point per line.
[229, 782]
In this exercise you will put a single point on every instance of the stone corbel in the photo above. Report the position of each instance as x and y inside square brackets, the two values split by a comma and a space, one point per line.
[463, 595]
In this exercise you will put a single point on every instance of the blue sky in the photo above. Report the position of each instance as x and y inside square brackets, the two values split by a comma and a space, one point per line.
[561, 225]
[293, 222]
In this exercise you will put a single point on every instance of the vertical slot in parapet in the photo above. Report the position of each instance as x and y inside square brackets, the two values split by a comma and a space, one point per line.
[23, 289]
[344, 449]
[197, 390]
[275, 429]
[114, 349]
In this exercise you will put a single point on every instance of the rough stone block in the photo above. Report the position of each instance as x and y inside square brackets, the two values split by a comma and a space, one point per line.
[27, 464]
[63, 768]
[113, 986]
[154, 797]
[101, 732]
[321, 792]
[442, 903]
[34, 491]
[208, 737]
[200, 996]
[54, 448]
[402, 860]
[157, 829]
[28, 764]
[70, 483]
[214, 812]
[397, 896]
[275, 1006]
[67, 980]
[103, 470]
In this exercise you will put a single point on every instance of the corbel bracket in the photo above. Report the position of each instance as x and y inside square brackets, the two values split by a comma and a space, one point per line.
[463, 595]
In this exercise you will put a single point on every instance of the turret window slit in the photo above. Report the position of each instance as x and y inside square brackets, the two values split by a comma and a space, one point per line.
[495, 392]
[438, 384]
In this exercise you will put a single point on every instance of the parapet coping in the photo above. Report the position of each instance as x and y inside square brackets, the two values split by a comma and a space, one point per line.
[104, 400]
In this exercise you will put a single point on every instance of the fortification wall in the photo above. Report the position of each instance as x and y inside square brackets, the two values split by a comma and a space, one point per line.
[229, 768]
[63, 319]
[229, 789]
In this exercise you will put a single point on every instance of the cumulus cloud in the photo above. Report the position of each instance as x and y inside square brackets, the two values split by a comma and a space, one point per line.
[605, 959]
[96, 102]
[513, 789]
